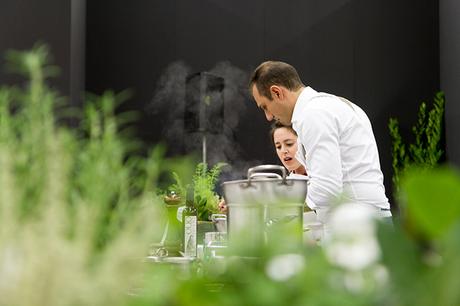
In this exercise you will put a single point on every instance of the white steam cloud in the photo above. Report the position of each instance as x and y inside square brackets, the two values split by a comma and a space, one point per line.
[169, 103]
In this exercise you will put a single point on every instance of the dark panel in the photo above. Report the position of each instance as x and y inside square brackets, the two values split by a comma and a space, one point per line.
[317, 38]
[151, 47]
[78, 50]
[128, 46]
[449, 12]
[210, 31]
[25, 22]
[396, 65]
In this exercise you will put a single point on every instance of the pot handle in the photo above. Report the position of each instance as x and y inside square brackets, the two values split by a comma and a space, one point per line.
[266, 175]
[252, 172]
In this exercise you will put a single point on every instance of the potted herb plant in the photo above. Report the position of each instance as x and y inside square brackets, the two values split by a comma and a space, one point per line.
[206, 199]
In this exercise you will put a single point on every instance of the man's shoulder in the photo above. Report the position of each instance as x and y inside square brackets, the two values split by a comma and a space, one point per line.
[315, 106]
[314, 98]
[321, 103]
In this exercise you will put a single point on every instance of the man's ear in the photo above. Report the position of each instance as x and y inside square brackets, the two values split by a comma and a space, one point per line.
[276, 92]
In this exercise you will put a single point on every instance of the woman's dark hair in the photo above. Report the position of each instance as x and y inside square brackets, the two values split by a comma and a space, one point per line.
[278, 125]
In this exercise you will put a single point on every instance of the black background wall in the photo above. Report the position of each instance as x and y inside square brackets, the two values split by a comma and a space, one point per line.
[449, 12]
[58, 23]
[382, 54]
[25, 22]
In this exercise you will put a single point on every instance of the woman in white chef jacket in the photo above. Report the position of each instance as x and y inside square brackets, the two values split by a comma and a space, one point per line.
[285, 141]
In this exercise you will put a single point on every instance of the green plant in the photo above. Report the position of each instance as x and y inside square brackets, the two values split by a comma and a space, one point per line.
[76, 207]
[425, 151]
[204, 181]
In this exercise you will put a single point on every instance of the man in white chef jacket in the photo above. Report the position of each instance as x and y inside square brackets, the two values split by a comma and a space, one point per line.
[337, 144]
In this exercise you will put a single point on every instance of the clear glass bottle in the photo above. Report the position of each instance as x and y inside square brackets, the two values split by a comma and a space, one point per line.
[190, 221]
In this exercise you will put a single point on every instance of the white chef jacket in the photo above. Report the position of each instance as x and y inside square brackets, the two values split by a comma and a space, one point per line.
[339, 152]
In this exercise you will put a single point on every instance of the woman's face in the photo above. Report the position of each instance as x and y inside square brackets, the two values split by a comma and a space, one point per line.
[286, 147]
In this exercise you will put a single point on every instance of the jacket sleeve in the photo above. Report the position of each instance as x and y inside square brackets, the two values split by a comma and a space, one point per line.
[319, 135]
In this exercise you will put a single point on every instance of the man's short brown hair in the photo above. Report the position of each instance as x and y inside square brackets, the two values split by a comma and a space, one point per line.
[274, 73]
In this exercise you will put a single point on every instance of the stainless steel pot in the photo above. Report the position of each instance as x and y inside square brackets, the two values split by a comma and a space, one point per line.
[264, 201]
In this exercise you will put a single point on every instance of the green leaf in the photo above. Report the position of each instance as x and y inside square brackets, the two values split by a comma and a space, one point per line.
[445, 279]
[402, 258]
[432, 199]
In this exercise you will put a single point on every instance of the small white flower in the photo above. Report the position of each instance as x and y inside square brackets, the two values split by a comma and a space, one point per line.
[10, 268]
[354, 282]
[353, 255]
[381, 275]
[283, 267]
[351, 243]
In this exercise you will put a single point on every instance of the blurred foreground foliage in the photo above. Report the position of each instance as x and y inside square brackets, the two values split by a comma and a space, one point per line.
[78, 209]
[78, 213]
